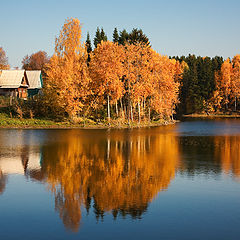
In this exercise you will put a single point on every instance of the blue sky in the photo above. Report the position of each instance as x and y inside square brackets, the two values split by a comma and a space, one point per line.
[205, 28]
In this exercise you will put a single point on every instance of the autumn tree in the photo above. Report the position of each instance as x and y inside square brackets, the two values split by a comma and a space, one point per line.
[3, 60]
[151, 82]
[36, 61]
[67, 72]
[106, 72]
[235, 81]
[224, 82]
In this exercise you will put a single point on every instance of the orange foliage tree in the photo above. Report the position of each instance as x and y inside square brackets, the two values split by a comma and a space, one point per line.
[106, 71]
[36, 61]
[67, 78]
[235, 83]
[227, 84]
[3, 60]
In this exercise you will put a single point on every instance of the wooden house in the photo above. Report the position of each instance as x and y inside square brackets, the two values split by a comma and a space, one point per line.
[14, 83]
[35, 82]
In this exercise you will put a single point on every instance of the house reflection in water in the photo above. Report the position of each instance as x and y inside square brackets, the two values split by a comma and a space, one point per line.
[22, 161]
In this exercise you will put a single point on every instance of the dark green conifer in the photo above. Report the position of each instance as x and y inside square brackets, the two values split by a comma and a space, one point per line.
[89, 47]
[115, 35]
[123, 38]
[137, 36]
[103, 35]
[97, 38]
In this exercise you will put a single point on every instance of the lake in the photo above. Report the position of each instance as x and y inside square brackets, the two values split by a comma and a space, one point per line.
[170, 182]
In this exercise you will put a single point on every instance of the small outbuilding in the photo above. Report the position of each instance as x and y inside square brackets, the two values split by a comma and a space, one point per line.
[14, 83]
[35, 82]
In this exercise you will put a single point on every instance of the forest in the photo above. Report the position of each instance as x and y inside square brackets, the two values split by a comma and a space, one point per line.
[125, 80]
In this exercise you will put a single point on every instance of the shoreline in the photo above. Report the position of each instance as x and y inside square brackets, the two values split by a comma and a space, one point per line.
[87, 126]
[195, 115]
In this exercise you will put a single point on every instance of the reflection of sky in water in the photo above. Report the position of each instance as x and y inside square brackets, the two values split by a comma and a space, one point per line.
[209, 127]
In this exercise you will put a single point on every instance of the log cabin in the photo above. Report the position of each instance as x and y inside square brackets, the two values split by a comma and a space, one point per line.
[14, 83]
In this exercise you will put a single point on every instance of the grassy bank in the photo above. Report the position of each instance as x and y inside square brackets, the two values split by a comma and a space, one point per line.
[26, 123]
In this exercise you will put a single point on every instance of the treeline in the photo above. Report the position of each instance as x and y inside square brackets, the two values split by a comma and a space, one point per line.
[209, 84]
[128, 81]
[198, 82]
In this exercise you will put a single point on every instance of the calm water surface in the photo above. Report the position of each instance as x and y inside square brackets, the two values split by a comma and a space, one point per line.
[170, 182]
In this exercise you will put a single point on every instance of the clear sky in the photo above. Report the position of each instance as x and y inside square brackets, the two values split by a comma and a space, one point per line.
[204, 27]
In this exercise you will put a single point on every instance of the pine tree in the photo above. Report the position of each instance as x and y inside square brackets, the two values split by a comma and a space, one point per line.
[137, 36]
[97, 38]
[115, 35]
[89, 47]
[123, 38]
[103, 35]
[88, 43]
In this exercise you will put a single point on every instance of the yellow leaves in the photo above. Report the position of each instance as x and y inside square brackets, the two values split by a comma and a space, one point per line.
[106, 69]
[67, 73]
[228, 81]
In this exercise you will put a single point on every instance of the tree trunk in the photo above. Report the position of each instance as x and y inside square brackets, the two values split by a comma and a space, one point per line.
[108, 108]
[235, 104]
[131, 111]
[139, 112]
[149, 114]
[121, 106]
[117, 108]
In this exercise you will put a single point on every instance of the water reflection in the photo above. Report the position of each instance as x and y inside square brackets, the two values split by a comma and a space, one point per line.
[227, 152]
[119, 172]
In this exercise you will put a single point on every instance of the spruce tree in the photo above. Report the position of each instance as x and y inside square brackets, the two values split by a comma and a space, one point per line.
[115, 36]
[97, 38]
[89, 47]
[137, 36]
[103, 35]
[123, 38]
[88, 43]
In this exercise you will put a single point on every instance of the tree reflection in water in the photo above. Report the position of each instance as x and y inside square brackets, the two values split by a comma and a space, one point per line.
[3, 181]
[119, 173]
[227, 151]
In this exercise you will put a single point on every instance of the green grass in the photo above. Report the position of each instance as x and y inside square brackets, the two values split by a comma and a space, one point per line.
[6, 121]
[14, 122]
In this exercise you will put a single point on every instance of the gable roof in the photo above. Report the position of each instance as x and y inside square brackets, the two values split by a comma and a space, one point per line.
[12, 79]
[34, 79]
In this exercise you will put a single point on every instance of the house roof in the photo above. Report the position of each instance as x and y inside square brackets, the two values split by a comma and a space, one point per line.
[11, 79]
[34, 79]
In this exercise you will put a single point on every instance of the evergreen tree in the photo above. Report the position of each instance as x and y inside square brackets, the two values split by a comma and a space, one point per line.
[137, 36]
[115, 35]
[89, 47]
[97, 38]
[103, 35]
[198, 83]
[88, 43]
[123, 38]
